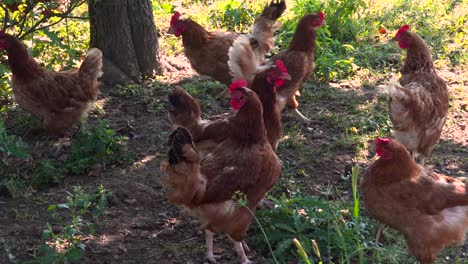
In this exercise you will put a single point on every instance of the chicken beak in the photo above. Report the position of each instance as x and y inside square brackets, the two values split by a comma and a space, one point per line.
[372, 141]
[393, 39]
[170, 30]
[286, 76]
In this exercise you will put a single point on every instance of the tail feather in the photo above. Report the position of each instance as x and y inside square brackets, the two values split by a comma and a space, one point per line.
[92, 65]
[274, 10]
[181, 173]
[178, 140]
[265, 26]
[243, 62]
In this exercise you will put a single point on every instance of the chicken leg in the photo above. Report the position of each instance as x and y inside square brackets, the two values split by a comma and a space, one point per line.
[209, 247]
[238, 245]
[293, 104]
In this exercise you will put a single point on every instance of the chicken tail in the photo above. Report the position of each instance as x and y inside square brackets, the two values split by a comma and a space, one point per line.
[181, 147]
[92, 65]
[274, 10]
[243, 61]
[181, 173]
[265, 26]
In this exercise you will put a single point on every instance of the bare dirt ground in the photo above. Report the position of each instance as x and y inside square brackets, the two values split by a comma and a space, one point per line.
[139, 226]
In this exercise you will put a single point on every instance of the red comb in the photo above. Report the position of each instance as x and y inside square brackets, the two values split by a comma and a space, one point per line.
[175, 17]
[280, 65]
[402, 29]
[237, 84]
[321, 14]
[382, 140]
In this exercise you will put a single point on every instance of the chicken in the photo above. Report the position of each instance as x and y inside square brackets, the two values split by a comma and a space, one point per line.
[58, 99]
[429, 209]
[299, 60]
[208, 51]
[418, 103]
[185, 110]
[244, 162]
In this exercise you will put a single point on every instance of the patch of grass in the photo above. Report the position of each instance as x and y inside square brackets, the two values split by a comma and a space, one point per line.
[129, 90]
[211, 95]
[152, 96]
[11, 145]
[47, 172]
[74, 219]
[95, 144]
[330, 231]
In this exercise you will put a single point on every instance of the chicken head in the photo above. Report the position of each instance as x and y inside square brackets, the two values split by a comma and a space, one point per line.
[403, 37]
[176, 26]
[239, 96]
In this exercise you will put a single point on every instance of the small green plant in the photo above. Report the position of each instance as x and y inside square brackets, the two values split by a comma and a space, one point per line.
[326, 228]
[95, 144]
[47, 172]
[234, 15]
[129, 90]
[12, 149]
[11, 145]
[74, 218]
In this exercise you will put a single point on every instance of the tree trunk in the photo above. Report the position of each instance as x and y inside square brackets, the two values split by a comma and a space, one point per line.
[125, 32]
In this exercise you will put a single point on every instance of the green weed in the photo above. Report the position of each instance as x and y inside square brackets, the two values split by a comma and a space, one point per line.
[95, 144]
[75, 218]
[11, 145]
[47, 172]
[319, 231]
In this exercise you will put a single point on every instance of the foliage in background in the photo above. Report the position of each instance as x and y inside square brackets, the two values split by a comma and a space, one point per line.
[56, 34]
[356, 36]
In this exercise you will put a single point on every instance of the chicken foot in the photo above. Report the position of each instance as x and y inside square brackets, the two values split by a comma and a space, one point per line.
[209, 247]
[301, 116]
[239, 246]
[246, 247]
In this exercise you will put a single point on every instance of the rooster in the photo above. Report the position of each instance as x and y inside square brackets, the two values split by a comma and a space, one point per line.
[58, 99]
[299, 60]
[208, 51]
[244, 162]
[429, 209]
[185, 110]
[418, 103]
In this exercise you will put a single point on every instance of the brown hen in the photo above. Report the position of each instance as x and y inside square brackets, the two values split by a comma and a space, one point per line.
[58, 99]
[244, 162]
[208, 51]
[418, 103]
[429, 209]
[185, 110]
[299, 60]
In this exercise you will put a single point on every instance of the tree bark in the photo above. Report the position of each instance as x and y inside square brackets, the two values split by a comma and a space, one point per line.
[124, 31]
